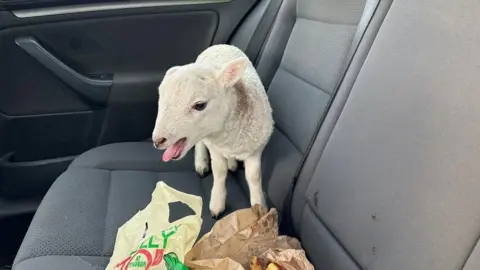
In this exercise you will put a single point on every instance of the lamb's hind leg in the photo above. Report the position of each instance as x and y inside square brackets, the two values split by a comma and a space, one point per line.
[253, 174]
[202, 164]
[219, 189]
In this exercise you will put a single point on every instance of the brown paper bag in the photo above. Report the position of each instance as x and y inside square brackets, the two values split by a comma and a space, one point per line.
[238, 237]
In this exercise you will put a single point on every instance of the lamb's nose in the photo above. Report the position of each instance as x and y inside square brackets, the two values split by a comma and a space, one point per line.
[158, 143]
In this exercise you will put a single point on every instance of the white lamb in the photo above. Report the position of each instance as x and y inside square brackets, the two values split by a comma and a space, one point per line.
[218, 102]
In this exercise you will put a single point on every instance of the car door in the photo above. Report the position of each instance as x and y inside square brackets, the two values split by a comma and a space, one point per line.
[78, 74]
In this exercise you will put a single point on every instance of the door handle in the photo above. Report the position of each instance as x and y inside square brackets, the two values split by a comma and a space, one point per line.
[96, 90]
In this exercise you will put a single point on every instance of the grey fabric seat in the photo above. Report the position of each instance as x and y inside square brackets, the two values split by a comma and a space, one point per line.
[393, 181]
[301, 62]
[139, 156]
[85, 207]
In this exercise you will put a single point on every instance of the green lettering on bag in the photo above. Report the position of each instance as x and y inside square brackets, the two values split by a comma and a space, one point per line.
[151, 244]
[167, 233]
[138, 262]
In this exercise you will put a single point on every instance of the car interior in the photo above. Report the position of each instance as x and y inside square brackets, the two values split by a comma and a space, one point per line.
[374, 162]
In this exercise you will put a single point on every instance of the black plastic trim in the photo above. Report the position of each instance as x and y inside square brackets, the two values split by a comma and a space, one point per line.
[28, 179]
[28, 4]
[96, 90]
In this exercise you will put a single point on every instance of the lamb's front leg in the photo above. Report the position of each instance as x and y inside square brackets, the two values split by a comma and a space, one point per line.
[202, 165]
[253, 174]
[219, 189]
[232, 164]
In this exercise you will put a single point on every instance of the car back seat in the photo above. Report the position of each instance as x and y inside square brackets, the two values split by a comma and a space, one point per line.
[393, 181]
[77, 221]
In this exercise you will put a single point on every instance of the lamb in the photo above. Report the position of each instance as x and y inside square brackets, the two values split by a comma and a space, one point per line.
[219, 105]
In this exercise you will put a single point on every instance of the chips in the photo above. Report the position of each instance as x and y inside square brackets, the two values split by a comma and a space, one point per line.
[273, 266]
[257, 264]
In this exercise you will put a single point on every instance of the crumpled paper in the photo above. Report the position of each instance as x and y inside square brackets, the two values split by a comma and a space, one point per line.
[237, 238]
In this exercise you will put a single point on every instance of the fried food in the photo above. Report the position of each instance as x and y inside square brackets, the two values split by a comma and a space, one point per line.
[273, 266]
[255, 264]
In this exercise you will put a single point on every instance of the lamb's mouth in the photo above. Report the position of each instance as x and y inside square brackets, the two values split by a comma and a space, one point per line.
[181, 146]
[175, 151]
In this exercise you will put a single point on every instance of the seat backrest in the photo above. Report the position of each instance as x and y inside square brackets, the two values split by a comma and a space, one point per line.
[303, 82]
[303, 59]
[396, 184]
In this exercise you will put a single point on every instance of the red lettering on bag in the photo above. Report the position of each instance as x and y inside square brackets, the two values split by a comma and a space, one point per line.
[156, 260]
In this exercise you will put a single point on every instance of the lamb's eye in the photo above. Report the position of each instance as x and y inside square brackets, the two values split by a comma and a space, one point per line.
[200, 106]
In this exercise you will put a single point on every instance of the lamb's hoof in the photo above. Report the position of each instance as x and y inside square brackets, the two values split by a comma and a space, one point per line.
[215, 216]
[216, 213]
[202, 170]
[217, 208]
[232, 165]
[203, 173]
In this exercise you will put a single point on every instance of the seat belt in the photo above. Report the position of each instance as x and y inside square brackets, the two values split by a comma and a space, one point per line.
[263, 29]
[286, 223]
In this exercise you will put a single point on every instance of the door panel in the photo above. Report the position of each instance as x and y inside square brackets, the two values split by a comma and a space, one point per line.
[45, 120]
[124, 44]
[141, 43]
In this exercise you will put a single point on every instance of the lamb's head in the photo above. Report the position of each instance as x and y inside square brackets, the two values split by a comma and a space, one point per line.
[195, 102]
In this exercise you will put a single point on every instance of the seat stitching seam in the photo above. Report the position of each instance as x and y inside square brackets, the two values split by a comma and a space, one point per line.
[304, 80]
[106, 210]
[324, 21]
[122, 170]
[330, 232]
[59, 255]
[89, 263]
[288, 138]
[471, 252]
[89, 167]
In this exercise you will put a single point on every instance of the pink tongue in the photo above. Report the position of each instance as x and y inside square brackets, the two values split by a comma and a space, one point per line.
[171, 151]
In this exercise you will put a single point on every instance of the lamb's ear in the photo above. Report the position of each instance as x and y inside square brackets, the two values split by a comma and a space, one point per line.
[232, 71]
[171, 70]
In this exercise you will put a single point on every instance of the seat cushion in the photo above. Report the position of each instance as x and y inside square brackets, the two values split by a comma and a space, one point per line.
[78, 220]
[141, 156]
